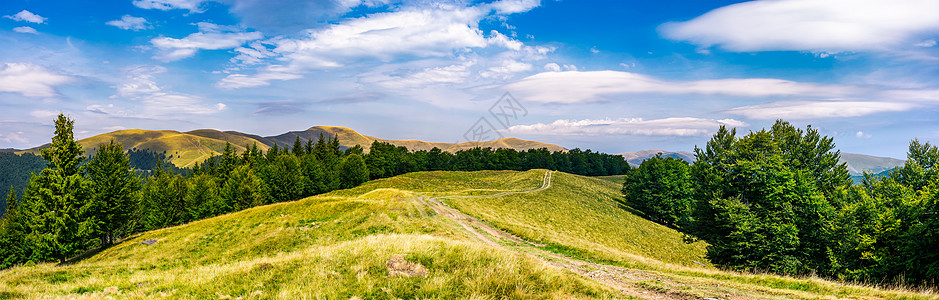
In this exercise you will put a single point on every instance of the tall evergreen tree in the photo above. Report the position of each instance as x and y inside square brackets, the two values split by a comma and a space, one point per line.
[113, 185]
[56, 200]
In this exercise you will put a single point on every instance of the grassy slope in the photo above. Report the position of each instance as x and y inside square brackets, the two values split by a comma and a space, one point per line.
[331, 246]
[335, 246]
[583, 216]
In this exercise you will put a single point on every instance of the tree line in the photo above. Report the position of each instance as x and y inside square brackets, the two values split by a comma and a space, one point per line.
[778, 200]
[78, 204]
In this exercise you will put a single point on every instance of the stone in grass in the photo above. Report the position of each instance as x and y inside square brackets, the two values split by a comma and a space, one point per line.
[397, 266]
[149, 242]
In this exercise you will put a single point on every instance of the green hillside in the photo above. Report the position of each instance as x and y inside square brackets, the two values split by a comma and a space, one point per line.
[403, 238]
[349, 138]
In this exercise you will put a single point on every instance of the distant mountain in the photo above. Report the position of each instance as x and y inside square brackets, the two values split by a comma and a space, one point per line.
[187, 148]
[858, 163]
[637, 157]
[348, 138]
[182, 148]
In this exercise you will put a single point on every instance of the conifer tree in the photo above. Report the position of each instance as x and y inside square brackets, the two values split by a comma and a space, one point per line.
[114, 185]
[12, 234]
[56, 200]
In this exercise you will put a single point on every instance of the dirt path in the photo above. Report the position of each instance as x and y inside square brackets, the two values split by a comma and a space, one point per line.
[621, 279]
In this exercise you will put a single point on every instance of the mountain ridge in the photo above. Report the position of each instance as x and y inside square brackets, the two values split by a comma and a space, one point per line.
[187, 148]
[856, 163]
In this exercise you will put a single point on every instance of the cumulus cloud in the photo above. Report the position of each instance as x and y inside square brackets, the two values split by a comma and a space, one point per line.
[862, 135]
[801, 110]
[577, 87]
[191, 5]
[128, 22]
[627, 126]
[27, 16]
[209, 37]
[30, 80]
[25, 29]
[810, 25]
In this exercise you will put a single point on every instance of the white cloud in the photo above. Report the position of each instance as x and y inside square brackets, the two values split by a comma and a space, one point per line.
[506, 70]
[27, 16]
[514, 6]
[128, 22]
[627, 126]
[191, 5]
[499, 39]
[209, 37]
[576, 87]
[12, 137]
[440, 30]
[552, 67]
[25, 29]
[926, 43]
[30, 80]
[862, 135]
[152, 100]
[594, 50]
[43, 114]
[456, 73]
[237, 81]
[801, 110]
[811, 25]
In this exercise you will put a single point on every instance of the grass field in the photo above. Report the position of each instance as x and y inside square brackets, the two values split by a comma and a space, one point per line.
[340, 245]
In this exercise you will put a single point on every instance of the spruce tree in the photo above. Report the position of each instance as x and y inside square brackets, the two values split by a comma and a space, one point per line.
[12, 234]
[56, 200]
[114, 185]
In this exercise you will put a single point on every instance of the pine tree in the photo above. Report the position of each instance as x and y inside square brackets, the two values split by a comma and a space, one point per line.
[298, 149]
[114, 185]
[56, 200]
[12, 234]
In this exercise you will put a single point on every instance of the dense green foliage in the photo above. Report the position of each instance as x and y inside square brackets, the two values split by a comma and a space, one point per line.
[778, 200]
[113, 186]
[386, 160]
[662, 188]
[14, 173]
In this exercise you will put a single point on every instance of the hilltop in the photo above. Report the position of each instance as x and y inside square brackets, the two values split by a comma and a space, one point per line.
[186, 148]
[436, 235]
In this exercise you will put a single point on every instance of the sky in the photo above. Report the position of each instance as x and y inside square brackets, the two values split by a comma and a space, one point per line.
[612, 76]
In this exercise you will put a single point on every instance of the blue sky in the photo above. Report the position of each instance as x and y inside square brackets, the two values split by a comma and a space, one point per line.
[612, 76]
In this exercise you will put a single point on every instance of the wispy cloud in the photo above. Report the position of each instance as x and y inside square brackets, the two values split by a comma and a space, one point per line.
[627, 126]
[277, 108]
[149, 99]
[578, 87]
[25, 29]
[442, 30]
[191, 5]
[30, 80]
[810, 25]
[128, 22]
[209, 37]
[801, 110]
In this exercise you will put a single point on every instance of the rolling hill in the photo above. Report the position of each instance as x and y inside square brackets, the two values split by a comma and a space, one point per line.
[186, 148]
[427, 235]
